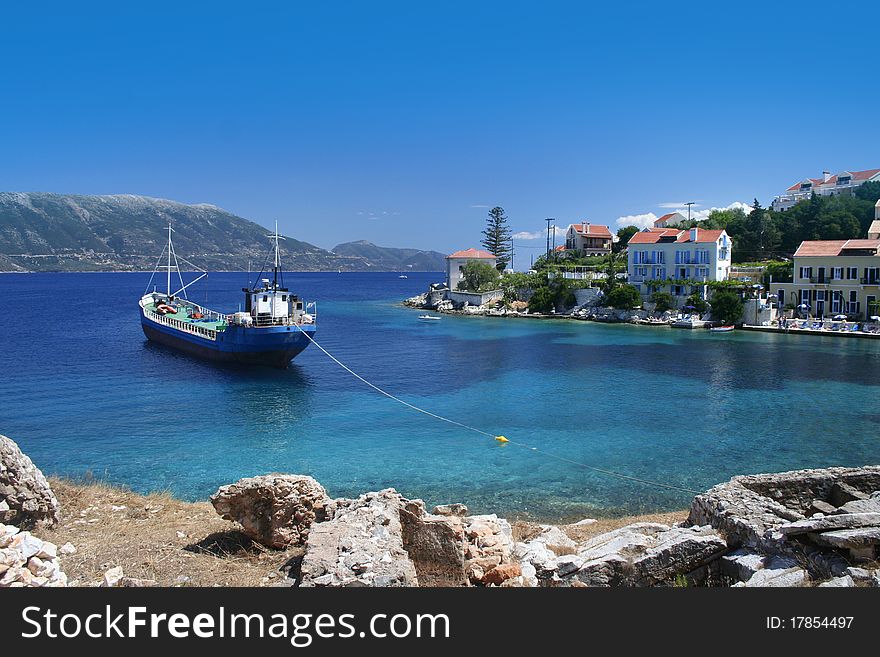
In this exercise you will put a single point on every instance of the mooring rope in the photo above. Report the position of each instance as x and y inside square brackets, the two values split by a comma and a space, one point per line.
[563, 459]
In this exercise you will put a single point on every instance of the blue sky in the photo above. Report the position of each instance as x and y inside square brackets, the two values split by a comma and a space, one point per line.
[402, 122]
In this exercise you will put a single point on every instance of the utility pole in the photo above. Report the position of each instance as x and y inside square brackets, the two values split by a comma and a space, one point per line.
[689, 204]
[511, 254]
[550, 220]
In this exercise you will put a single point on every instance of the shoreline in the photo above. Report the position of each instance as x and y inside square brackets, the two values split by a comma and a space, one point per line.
[160, 540]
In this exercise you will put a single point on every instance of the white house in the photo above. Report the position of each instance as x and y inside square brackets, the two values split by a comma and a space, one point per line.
[455, 262]
[841, 183]
[592, 239]
[672, 254]
[874, 229]
[669, 220]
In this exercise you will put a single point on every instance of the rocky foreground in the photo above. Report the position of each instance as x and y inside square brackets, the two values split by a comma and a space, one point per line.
[803, 528]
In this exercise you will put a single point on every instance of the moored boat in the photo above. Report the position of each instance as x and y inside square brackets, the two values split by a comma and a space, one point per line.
[426, 318]
[273, 328]
[721, 329]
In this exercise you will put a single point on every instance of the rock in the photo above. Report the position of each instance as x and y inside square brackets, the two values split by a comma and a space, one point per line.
[501, 573]
[641, 554]
[67, 549]
[435, 544]
[841, 493]
[861, 543]
[113, 577]
[870, 505]
[275, 510]
[861, 575]
[832, 522]
[28, 561]
[750, 509]
[741, 564]
[777, 577]
[488, 543]
[133, 582]
[25, 494]
[584, 522]
[844, 581]
[820, 506]
[450, 510]
[27, 544]
[349, 551]
[529, 575]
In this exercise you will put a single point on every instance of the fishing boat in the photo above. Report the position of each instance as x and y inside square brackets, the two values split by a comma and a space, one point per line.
[273, 328]
[428, 318]
[403, 276]
[721, 329]
[688, 323]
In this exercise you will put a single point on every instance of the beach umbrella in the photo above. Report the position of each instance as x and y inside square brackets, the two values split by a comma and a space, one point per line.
[840, 317]
[875, 318]
[804, 306]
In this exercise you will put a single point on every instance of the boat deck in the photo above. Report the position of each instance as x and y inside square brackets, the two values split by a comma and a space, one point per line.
[183, 315]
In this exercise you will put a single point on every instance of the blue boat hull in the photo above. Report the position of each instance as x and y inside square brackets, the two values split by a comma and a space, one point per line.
[275, 346]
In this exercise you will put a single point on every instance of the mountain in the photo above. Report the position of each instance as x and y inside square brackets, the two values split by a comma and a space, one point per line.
[391, 259]
[62, 232]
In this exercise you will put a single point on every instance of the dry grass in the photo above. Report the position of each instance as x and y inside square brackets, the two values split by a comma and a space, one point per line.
[156, 537]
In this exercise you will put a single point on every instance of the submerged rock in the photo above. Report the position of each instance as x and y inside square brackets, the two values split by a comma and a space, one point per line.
[25, 496]
[276, 510]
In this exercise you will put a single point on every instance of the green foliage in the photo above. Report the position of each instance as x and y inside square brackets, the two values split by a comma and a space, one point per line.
[699, 305]
[623, 297]
[496, 237]
[478, 276]
[517, 285]
[549, 295]
[727, 307]
[624, 235]
[663, 301]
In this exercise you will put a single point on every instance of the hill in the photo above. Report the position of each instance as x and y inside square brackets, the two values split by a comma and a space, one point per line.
[392, 259]
[61, 232]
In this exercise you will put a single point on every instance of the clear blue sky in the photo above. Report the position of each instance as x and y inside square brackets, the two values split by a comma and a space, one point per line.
[400, 122]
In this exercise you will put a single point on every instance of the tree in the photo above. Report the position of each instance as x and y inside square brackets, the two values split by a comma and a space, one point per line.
[727, 307]
[496, 237]
[613, 264]
[478, 276]
[623, 297]
[697, 303]
[623, 237]
[663, 301]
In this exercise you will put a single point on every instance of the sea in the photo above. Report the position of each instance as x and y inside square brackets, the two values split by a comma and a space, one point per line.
[603, 419]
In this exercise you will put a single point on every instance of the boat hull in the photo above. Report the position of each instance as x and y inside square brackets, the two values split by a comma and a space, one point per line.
[273, 346]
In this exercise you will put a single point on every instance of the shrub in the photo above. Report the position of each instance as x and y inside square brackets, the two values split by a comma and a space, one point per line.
[623, 297]
[663, 301]
[478, 276]
[727, 307]
[698, 304]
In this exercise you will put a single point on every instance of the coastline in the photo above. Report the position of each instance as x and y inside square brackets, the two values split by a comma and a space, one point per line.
[159, 540]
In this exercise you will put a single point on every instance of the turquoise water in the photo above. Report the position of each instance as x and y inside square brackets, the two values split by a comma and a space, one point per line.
[82, 392]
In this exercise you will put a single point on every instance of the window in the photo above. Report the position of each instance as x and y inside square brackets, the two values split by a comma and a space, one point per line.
[844, 180]
[836, 299]
[852, 273]
[284, 297]
[805, 297]
[837, 273]
[702, 272]
[806, 273]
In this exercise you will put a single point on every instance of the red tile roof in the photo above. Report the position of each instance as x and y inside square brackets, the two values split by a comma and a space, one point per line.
[664, 218]
[861, 244]
[471, 253]
[820, 248]
[591, 230]
[654, 235]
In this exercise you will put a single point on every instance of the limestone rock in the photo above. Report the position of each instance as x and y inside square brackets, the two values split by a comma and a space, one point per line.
[741, 564]
[25, 495]
[845, 581]
[113, 577]
[501, 573]
[276, 510]
[833, 522]
[451, 510]
[25, 560]
[362, 545]
[435, 544]
[777, 577]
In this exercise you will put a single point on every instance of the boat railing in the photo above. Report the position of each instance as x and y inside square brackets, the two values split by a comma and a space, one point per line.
[186, 327]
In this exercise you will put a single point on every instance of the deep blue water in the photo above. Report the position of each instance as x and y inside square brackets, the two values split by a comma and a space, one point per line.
[83, 392]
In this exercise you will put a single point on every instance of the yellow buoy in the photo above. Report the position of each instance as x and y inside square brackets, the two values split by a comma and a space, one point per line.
[501, 439]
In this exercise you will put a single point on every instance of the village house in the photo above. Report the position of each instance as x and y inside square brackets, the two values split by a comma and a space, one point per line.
[669, 220]
[591, 239]
[836, 277]
[696, 255]
[455, 263]
[841, 183]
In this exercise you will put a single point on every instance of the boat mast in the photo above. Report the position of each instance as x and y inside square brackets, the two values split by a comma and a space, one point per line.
[169, 261]
[277, 257]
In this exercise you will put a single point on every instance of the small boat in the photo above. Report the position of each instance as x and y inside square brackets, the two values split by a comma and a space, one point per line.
[403, 276]
[688, 323]
[427, 318]
[721, 329]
